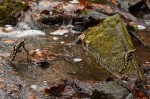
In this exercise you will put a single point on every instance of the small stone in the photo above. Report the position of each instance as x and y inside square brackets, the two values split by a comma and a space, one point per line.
[60, 32]
[62, 42]
[147, 62]
[9, 29]
[70, 26]
[65, 35]
[8, 25]
[77, 59]
[34, 87]
[55, 38]
[45, 83]
[74, 1]
[37, 50]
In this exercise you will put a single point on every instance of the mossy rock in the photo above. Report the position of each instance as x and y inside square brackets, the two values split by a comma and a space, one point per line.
[9, 8]
[112, 42]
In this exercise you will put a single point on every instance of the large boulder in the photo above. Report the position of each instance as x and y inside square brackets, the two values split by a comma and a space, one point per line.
[111, 42]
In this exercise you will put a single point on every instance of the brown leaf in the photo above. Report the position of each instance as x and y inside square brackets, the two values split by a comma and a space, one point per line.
[9, 41]
[46, 12]
[139, 94]
[84, 2]
[148, 86]
[55, 88]
[2, 82]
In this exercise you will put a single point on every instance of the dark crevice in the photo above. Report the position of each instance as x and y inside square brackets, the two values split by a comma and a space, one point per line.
[139, 9]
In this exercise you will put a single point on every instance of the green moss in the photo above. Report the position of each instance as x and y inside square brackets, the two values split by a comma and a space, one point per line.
[112, 41]
[8, 10]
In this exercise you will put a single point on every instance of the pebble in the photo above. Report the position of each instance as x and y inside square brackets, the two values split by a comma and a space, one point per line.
[74, 1]
[65, 35]
[8, 25]
[77, 59]
[45, 83]
[37, 50]
[147, 62]
[62, 42]
[34, 87]
[59, 32]
[55, 38]
[9, 29]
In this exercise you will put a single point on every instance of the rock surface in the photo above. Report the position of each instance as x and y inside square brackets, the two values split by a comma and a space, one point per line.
[112, 43]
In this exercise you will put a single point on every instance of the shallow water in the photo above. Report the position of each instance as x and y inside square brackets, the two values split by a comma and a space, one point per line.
[62, 67]
[143, 53]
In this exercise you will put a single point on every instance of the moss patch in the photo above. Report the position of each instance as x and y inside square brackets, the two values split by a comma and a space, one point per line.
[8, 10]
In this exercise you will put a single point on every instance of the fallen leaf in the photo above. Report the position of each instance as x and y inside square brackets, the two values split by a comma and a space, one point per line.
[115, 2]
[9, 41]
[84, 2]
[55, 88]
[139, 94]
[2, 82]
[88, 7]
[148, 86]
[46, 12]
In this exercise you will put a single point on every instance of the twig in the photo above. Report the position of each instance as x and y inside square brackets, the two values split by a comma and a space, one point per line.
[137, 37]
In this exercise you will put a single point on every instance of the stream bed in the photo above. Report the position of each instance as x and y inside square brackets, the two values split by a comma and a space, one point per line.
[62, 64]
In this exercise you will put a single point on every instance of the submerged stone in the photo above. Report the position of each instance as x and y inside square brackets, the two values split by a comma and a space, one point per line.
[111, 42]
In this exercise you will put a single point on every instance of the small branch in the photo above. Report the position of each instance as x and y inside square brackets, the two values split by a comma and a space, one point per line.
[139, 39]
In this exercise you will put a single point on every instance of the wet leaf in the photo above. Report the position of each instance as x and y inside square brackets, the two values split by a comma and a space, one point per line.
[84, 2]
[2, 83]
[88, 7]
[139, 94]
[46, 12]
[56, 88]
[148, 86]
[115, 2]
[9, 41]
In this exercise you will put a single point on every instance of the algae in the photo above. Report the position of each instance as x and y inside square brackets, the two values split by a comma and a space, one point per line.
[112, 42]
[8, 10]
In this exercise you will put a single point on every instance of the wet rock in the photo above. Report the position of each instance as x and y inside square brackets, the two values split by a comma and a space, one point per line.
[12, 86]
[111, 41]
[34, 87]
[110, 89]
[139, 9]
[74, 88]
[130, 96]
[95, 16]
[13, 91]
[125, 4]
